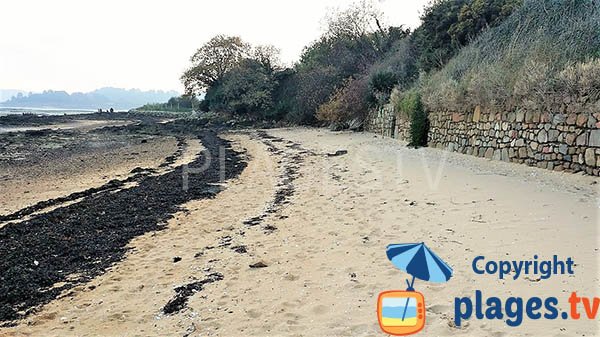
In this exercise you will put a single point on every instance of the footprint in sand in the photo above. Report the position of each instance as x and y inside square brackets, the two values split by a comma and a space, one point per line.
[290, 277]
[253, 313]
[320, 309]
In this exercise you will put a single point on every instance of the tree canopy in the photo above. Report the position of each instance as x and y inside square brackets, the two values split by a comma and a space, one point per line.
[352, 67]
[212, 61]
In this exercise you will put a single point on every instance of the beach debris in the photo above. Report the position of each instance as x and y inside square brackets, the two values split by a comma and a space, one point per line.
[269, 229]
[143, 170]
[176, 259]
[239, 249]
[337, 153]
[183, 293]
[254, 221]
[259, 264]
[225, 241]
[190, 330]
[478, 218]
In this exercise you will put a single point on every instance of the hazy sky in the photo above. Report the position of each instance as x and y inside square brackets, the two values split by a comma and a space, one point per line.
[76, 45]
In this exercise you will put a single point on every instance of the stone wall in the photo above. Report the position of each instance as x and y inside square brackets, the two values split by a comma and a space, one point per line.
[381, 121]
[384, 121]
[568, 139]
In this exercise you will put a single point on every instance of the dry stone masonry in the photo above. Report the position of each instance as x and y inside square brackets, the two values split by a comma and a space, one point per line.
[567, 139]
[385, 122]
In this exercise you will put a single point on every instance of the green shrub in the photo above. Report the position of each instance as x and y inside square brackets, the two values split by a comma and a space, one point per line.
[411, 107]
[383, 81]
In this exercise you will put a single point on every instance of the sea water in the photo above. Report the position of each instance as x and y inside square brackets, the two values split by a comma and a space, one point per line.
[42, 111]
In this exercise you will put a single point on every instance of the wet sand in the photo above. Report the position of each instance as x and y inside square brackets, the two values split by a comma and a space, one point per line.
[29, 184]
[315, 227]
[74, 124]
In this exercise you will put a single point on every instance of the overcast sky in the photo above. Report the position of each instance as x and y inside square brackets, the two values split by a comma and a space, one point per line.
[76, 45]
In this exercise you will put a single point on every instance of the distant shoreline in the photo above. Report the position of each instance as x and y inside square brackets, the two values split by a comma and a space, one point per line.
[49, 111]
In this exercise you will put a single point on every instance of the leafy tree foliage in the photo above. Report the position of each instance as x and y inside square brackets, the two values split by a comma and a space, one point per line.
[267, 55]
[247, 89]
[177, 104]
[354, 40]
[212, 61]
[353, 66]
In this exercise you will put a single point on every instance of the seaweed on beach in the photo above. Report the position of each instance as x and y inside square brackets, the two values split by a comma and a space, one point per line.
[43, 256]
[137, 174]
[183, 293]
[291, 162]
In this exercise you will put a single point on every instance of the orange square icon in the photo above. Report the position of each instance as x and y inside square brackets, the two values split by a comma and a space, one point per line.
[401, 312]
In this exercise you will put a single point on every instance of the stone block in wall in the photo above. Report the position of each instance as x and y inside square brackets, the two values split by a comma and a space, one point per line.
[553, 135]
[542, 136]
[582, 139]
[592, 122]
[457, 117]
[558, 119]
[582, 119]
[590, 157]
[545, 117]
[594, 138]
[520, 116]
[477, 114]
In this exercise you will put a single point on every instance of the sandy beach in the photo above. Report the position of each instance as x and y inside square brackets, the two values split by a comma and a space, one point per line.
[295, 245]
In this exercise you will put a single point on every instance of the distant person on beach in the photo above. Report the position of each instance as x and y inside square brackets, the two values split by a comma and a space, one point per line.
[111, 110]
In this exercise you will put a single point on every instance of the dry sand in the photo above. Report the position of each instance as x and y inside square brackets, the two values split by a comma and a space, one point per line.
[326, 258]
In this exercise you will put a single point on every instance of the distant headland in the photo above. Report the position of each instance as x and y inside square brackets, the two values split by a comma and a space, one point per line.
[102, 98]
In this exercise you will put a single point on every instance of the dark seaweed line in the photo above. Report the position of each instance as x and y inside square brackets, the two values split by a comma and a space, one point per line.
[87, 237]
[139, 173]
[285, 187]
[183, 293]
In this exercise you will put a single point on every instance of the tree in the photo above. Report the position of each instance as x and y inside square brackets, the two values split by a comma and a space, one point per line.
[267, 55]
[212, 61]
[354, 39]
[354, 22]
[247, 89]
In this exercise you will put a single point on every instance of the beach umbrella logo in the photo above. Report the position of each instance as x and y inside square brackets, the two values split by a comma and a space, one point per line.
[402, 312]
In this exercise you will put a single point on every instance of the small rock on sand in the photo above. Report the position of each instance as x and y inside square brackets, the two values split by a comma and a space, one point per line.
[337, 153]
[259, 264]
